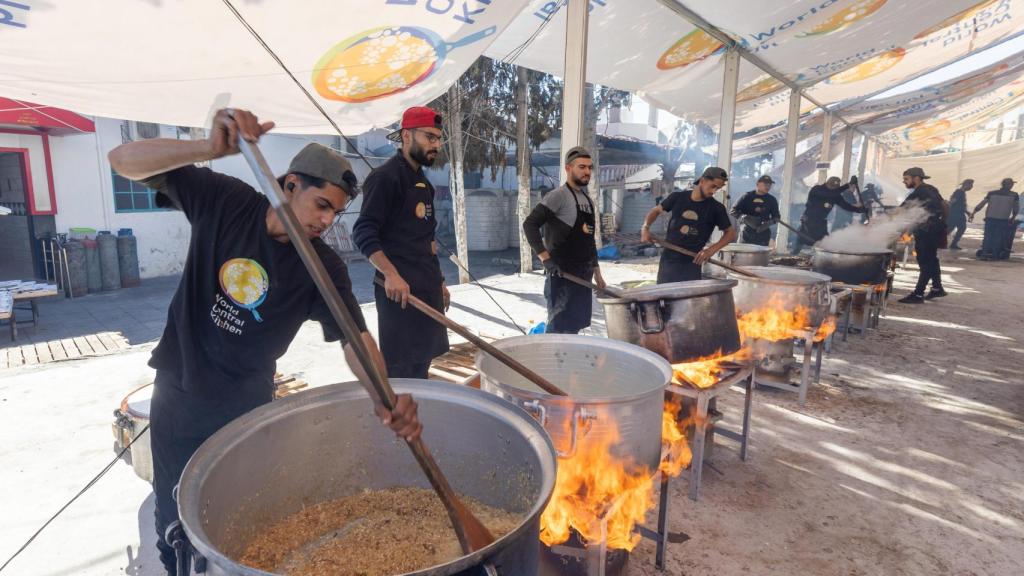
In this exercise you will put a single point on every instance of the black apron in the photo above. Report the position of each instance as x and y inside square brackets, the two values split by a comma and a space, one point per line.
[409, 336]
[570, 306]
[751, 235]
[673, 266]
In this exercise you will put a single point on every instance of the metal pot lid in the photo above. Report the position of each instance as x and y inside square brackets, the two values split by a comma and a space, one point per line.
[876, 252]
[740, 247]
[672, 291]
[781, 275]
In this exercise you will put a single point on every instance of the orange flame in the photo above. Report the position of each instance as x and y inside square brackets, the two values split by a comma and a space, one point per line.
[675, 453]
[906, 238]
[702, 372]
[777, 321]
[594, 488]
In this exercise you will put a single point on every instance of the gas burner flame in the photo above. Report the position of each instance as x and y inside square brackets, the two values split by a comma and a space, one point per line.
[777, 320]
[600, 496]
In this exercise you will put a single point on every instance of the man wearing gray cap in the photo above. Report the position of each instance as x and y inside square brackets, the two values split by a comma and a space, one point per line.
[561, 231]
[1000, 221]
[757, 211]
[693, 216]
[244, 291]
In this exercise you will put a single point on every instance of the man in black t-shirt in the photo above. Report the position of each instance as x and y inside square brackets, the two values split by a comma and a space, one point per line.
[958, 212]
[693, 216]
[757, 210]
[244, 291]
[395, 231]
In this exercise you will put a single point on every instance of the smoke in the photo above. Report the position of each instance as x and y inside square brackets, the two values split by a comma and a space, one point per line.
[878, 234]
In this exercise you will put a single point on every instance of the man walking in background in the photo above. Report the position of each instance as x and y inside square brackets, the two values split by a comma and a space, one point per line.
[1000, 217]
[927, 235]
[958, 212]
[756, 211]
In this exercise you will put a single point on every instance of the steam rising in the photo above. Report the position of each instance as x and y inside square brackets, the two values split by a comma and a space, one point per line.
[878, 234]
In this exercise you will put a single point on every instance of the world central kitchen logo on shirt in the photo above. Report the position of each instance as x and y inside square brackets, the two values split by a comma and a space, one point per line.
[245, 283]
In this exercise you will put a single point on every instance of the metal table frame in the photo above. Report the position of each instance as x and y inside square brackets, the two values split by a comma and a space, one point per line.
[810, 348]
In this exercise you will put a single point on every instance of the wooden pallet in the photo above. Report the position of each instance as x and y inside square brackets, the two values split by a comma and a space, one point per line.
[458, 365]
[63, 349]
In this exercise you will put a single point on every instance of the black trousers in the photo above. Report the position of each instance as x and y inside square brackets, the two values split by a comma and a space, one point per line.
[179, 423]
[927, 247]
[752, 236]
[673, 268]
[959, 227]
[409, 370]
[570, 306]
[816, 229]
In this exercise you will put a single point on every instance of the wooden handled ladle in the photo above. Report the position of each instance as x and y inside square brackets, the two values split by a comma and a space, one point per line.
[669, 246]
[472, 534]
[482, 344]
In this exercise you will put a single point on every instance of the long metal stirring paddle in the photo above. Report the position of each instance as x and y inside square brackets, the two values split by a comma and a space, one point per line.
[472, 534]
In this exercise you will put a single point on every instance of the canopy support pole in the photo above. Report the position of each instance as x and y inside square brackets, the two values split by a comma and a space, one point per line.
[727, 122]
[573, 91]
[826, 148]
[788, 170]
[862, 162]
[848, 153]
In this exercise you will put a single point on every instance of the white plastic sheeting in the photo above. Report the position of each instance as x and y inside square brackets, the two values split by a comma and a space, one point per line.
[987, 167]
[169, 61]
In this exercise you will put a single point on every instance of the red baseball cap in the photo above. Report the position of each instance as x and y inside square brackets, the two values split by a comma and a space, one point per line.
[416, 117]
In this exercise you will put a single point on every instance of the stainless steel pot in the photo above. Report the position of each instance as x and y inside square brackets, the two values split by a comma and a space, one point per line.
[783, 286]
[680, 321]
[737, 255]
[611, 385]
[852, 267]
[325, 444]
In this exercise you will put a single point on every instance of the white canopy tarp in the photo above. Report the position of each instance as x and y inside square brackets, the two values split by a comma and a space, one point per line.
[168, 61]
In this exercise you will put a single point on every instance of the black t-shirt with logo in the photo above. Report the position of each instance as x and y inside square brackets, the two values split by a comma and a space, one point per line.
[691, 223]
[242, 295]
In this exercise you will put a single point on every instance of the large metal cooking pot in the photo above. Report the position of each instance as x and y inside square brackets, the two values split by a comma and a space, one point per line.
[610, 385]
[783, 286]
[681, 321]
[737, 255]
[325, 444]
[852, 267]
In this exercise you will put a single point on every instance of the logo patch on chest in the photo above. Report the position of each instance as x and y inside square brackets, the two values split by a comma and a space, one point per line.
[827, 205]
[424, 211]
[758, 201]
[690, 215]
[587, 229]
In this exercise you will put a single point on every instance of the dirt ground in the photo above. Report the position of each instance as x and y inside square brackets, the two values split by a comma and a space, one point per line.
[905, 460]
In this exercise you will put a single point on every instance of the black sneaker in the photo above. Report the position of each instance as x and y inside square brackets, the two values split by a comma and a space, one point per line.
[935, 294]
[912, 299]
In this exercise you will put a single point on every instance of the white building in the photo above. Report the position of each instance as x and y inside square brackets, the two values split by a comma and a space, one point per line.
[58, 177]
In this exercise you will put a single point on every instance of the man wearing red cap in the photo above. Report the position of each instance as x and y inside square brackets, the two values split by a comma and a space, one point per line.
[395, 231]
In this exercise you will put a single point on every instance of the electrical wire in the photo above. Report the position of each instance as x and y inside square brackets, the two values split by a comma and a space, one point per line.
[89, 485]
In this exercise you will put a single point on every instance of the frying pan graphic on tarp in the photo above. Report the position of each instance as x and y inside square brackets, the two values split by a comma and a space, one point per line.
[384, 61]
[245, 283]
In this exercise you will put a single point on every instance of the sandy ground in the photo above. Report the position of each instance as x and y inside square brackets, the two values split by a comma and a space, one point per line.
[905, 459]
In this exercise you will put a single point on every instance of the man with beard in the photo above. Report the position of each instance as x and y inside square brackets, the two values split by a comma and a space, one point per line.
[395, 231]
[1000, 221]
[958, 212]
[820, 200]
[927, 235]
[567, 217]
[693, 216]
[757, 210]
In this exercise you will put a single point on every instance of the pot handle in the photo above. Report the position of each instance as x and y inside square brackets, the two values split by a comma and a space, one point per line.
[653, 310]
[579, 415]
[538, 411]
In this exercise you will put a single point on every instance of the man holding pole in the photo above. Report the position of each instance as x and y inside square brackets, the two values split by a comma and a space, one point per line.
[820, 200]
[243, 294]
[757, 210]
[566, 244]
[395, 231]
[693, 216]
